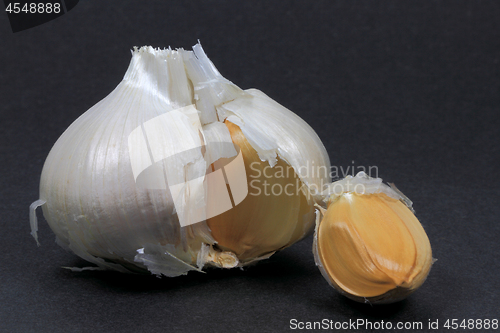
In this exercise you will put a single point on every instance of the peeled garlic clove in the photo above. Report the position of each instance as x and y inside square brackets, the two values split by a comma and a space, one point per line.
[129, 187]
[369, 245]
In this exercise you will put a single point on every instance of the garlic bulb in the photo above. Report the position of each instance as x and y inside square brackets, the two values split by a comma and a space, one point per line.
[369, 245]
[168, 172]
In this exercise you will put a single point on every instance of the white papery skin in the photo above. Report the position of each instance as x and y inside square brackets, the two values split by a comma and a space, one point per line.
[88, 192]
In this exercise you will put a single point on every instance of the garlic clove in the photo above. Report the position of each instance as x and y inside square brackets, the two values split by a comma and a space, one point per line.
[276, 213]
[370, 246]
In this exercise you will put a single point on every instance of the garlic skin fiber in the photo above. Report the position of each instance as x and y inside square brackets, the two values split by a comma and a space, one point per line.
[369, 245]
[112, 203]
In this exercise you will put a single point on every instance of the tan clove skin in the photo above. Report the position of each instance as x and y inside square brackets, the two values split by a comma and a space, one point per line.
[277, 223]
[372, 248]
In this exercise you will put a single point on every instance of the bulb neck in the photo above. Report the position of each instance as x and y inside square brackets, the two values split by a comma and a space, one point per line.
[148, 68]
[183, 78]
[211, 89]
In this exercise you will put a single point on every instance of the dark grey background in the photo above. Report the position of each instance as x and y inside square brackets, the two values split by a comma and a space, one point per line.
[411, 87]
